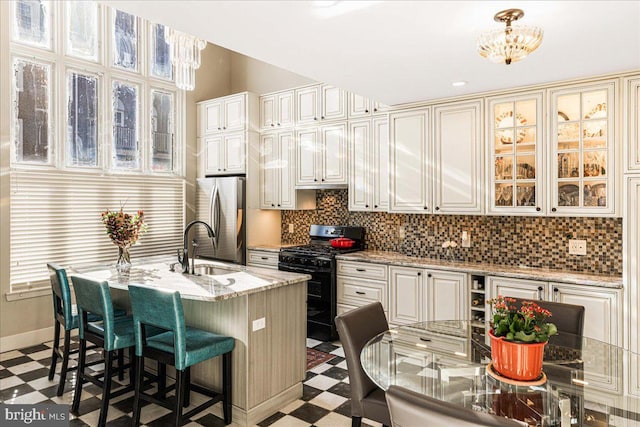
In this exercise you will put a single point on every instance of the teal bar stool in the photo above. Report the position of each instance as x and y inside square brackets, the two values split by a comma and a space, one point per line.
[180, 346]
[111, 333]
[65, 317]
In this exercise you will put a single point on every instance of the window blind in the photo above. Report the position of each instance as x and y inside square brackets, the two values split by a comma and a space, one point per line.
[55, 217]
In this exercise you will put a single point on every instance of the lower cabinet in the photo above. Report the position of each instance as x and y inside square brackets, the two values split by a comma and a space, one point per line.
[361, 283]
[405, 295]
[517, 288]
[264, 259]
[446, 297]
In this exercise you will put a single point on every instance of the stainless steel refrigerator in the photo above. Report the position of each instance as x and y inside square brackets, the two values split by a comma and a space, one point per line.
[221, 204]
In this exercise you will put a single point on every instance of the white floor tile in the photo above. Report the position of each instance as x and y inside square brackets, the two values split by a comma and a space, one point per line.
[10, 355]
[41, 355]
[342, 365]
[333, 419]
[320, 368]
[292, 406]
[338, 352]
[42, 383]
[152, 412]
[321, 382]
[289, 421]
[328, 400]
[10, 382]
[25, 367]
[29, 398]
[312, 343]
[92, 417]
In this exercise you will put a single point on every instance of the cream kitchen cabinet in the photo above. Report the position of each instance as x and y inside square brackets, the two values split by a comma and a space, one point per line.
[319, 103]
[277, 110]
[262, 258]
[515, 160]
[321, 156]
[406, 290]
[227, 114]
[632, 124]
[446, 296]
[361, 106]
[583, 161]
[631, 240]
[224, 153]
[457, 153]
[361, 283]
[369, 164]
[277, 174]
[410, 186]
[439, 173]
[602, 305]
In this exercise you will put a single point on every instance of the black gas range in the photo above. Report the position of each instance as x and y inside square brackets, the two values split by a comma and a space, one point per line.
[318, 260]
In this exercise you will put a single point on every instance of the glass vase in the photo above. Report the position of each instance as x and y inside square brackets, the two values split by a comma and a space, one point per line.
[124, 258]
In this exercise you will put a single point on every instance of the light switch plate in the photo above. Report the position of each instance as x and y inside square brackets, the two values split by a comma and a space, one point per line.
[260, 323]
[290, 228]
[577, 247]
[465, 239]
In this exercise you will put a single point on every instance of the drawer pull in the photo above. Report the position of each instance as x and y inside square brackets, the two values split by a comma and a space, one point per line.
[264, 258]
[360, 269]
[361, 293]
[425, 339]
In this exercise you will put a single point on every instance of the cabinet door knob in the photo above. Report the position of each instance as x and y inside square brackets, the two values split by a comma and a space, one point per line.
[315, 118]
[419, 274]
[538, 209]
[322, 179]
[553, 209]
[375, 206]
[278, 205]
[366, 111]
[322, 117]
[272, 205]
[224, 127]
[437, 208]
[219, 169]
[366, 206]
[425, 208]
[219, 129]
[278, 124]
[429, 275]
[556, 290]
[224, 169]
[315, 179]
[375, 110]
[272, 124]
[540, 293]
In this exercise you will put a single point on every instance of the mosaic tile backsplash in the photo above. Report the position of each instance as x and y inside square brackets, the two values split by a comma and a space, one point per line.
[539, 242]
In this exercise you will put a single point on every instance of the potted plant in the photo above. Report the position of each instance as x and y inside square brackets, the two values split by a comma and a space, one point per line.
[518, 336]
[124, 230]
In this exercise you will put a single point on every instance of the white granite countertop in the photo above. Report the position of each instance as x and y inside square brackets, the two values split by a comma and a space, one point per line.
[269, 248]
[225, 281]
[530, 273]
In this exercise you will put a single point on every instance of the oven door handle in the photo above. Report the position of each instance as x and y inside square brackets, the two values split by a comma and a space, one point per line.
[298, 270]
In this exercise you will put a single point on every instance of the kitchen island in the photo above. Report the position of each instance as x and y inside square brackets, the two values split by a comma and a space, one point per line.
[263, 309]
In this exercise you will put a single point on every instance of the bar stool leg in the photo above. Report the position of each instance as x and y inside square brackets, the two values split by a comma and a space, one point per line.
[55, 349]
[137, 407]
[106, 388]
[65, 362]
[187, 387]
[226, 387]
[79, 376]
[180, 386]
[120, 364]
[132, 367]
[162, 380]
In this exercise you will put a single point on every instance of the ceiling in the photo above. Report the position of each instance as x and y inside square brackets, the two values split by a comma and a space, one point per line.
[403, 51]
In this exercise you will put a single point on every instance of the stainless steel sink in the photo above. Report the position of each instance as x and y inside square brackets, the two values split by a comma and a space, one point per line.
[212, 271]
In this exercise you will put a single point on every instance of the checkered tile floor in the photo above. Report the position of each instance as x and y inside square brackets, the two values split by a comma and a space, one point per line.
[325, 401]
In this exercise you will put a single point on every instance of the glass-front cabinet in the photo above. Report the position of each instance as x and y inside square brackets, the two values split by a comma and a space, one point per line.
[516, 155]
[582, 157]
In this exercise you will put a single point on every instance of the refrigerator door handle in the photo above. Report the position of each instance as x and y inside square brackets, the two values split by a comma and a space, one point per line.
[216, 216]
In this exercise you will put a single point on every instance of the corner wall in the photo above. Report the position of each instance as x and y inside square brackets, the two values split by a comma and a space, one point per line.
[249, 74]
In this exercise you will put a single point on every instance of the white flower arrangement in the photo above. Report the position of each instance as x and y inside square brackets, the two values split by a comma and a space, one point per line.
[449, 244]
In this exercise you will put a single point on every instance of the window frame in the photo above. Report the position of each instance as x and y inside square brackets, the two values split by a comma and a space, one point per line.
[174, 120]
[66, 28]
[151, 44]
[51, 21]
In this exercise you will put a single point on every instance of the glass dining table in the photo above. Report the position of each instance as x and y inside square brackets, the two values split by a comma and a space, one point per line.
[585, 382]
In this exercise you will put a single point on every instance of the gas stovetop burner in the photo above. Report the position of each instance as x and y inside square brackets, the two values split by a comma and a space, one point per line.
[319, 249]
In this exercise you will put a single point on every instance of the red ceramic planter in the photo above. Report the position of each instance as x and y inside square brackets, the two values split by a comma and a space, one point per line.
[518, 361]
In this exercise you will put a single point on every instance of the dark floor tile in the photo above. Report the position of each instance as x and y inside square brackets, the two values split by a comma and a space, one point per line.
[47, 361]
[50, 391]
[123, 421]
[34, 375]
[209, 420]
[126, 405]
[272, 419]
[344, 409]
[309, 392]
[167, 420]
[16, 361]
[335, 360]
[327, 347]
[4, 373]
[310, 375]
[309, 413]
[341, 389]
[19, 390]
[89, 405]
[35, 349]
[336, 373]
[77, 422]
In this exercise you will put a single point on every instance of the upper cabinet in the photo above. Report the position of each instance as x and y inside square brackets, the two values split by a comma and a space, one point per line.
[515, 154]
[277, 110]
[439, 172]
[632, 125]
[583, 156]
[321, 156]
[457, 155]
[319, 103]
[224, 154]
[369, 164]
[360, 106]
[226, 114]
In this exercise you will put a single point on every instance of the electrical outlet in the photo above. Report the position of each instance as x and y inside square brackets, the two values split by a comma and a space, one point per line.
[290, 228]
[260, 323]
[577, 247]
[465, 239]
[401, 232]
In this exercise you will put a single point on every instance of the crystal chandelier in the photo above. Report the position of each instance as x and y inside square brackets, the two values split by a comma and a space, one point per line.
[512, 43]
[185, 57]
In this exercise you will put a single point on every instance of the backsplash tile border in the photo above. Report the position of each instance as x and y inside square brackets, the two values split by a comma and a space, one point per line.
[539, 242]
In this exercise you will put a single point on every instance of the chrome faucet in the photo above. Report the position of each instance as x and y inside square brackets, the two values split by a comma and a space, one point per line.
[183, 258]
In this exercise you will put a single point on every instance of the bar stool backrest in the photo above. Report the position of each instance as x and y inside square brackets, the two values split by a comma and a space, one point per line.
[162, 309]
[94, 297]
[61, 293]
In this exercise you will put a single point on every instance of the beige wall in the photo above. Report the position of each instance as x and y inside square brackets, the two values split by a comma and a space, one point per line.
[248, 74]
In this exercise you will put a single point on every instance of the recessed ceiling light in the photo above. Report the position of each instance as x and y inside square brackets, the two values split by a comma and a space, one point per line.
[458, 84]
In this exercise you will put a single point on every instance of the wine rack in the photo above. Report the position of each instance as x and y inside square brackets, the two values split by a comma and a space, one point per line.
[477, 307]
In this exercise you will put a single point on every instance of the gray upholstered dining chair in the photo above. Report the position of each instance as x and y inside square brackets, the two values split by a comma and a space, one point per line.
[411, 409]
[568, 318]
[355, 328]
